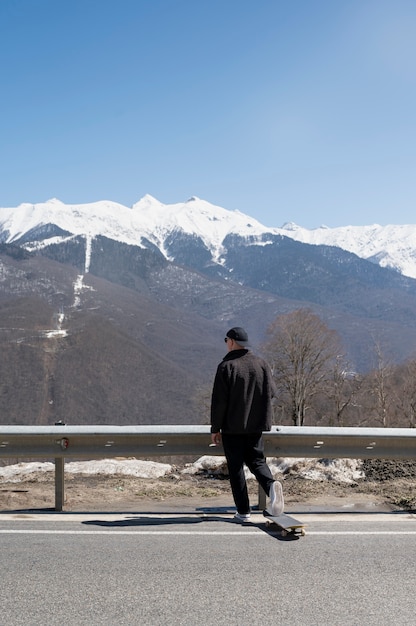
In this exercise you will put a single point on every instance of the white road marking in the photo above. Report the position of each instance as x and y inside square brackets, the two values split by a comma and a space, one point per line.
[255, 532]
[256, 518]
[316, 524]
[361, 532]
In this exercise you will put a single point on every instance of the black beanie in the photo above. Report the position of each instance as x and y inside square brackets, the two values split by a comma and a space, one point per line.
[239, 335]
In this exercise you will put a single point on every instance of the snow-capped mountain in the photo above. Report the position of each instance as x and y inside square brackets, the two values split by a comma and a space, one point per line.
[96, 292]
[146, 221]
[126, 245]
[152, 222]
[390, 246]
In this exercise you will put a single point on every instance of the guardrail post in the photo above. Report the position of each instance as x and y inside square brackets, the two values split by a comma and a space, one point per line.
[262, 499]
[59, 483]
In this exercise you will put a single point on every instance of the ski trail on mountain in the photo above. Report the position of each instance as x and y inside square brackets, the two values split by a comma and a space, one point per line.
[79, 285]
[88, 248]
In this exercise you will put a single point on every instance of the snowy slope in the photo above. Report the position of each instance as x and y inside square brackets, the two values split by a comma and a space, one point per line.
[391, 246]
[109, 219]
[147, 219]
[196, 217]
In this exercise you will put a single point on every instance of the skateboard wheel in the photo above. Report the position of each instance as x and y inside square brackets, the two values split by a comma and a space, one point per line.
[284, 533]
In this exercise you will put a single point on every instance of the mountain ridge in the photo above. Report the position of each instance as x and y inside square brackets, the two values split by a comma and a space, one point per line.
[149, 220]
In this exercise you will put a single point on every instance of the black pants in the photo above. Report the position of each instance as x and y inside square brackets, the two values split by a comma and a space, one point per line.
[245, 449]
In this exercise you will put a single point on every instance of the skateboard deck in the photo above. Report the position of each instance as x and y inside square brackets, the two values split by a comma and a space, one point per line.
[288, 525]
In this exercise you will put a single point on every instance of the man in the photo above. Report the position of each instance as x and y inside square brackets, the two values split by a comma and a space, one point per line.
[241, 410]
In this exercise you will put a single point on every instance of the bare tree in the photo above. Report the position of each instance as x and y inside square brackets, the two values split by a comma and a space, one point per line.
[203, 401]
[406, 393]
[301, 350]
[341, 390]
[380, 387]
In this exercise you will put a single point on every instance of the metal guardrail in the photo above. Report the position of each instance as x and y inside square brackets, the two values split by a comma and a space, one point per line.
[62, 442]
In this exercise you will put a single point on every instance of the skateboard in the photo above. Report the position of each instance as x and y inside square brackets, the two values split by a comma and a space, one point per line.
[288, 525]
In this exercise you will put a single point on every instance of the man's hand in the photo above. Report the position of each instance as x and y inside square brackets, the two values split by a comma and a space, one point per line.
[216, 438]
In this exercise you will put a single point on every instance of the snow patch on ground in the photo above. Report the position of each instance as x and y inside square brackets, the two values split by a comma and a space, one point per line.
[125, 467]
[337, 470]
[21, 471]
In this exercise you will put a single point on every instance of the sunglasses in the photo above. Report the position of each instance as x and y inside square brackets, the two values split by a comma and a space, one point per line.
[226, 339]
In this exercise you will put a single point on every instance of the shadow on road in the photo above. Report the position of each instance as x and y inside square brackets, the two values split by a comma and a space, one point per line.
[187, 520]
[149, 518]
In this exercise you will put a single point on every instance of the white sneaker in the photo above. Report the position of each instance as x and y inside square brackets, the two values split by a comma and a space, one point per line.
[242, 517]
[277, 503]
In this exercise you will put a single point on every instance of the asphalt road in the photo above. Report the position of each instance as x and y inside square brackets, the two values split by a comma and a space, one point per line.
[193, 569]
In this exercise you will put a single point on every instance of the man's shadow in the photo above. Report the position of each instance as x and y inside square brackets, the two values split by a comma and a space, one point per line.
[188, 519]
[147, 520]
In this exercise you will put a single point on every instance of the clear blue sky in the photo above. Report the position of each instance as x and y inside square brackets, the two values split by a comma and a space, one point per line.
[288, 110]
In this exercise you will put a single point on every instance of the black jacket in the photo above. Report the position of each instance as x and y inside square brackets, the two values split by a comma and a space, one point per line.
[242, 393]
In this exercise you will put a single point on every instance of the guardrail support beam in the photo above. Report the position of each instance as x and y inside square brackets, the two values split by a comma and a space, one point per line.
[261, 499]
[59, 484]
